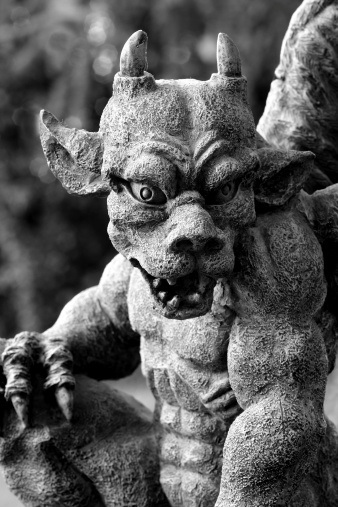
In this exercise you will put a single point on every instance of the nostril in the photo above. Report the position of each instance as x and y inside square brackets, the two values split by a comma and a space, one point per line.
[183, 245]
[188, 245]
[213, 245]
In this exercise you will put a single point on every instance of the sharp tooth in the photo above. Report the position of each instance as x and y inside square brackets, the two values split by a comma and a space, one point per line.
[162, 296]
[194, 298]
[172, 281]
[174, 303]
[156, 282]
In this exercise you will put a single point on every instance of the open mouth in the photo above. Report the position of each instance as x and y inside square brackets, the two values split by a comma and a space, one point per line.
[182, 297]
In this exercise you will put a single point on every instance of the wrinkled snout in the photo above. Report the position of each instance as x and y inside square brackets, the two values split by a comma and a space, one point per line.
[193, 232]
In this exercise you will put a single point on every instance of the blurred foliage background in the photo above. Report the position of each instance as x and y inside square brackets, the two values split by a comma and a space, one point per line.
[62, 55]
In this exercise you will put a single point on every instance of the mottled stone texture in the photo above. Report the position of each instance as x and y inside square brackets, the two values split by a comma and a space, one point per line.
[302, 107]
[225, 289]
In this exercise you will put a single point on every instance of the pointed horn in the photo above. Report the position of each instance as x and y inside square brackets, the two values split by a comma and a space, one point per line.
[133, 61]
[228, 59]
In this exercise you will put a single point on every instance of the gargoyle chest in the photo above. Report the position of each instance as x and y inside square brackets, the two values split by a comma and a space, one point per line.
[185, 361]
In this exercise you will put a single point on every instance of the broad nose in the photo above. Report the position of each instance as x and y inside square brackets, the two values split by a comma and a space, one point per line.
[196, 244]
[193, 231]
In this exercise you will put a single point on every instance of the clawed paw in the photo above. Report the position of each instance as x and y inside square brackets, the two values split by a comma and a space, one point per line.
[27, 352]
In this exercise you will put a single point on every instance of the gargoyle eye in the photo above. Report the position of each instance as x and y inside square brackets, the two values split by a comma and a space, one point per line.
[227, 190]
[224, 194]
[147, 194]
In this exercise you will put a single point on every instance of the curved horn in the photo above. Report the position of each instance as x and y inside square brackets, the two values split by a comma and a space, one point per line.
[133, 60]
[228, 59]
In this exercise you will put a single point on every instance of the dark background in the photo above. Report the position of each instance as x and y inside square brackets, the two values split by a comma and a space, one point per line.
[62, 55]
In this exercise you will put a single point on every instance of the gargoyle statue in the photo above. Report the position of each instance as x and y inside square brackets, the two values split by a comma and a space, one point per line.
[225, 289]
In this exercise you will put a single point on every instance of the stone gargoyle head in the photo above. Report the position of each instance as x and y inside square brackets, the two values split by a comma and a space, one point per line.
[179, 163]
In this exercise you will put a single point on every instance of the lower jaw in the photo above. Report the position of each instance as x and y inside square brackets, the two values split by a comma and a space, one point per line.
[185, 311]
[186, 297]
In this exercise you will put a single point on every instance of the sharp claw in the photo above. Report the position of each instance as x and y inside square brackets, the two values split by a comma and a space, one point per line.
[65, 399]
[20, 404]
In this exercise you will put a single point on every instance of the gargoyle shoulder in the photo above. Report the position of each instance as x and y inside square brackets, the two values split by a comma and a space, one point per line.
[321, 210]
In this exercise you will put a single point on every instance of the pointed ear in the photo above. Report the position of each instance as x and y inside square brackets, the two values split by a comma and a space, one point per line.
[74, 156]
[282, 174]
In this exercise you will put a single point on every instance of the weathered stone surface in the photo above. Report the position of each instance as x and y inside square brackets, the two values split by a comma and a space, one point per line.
[107, 455]
[74, 156]
[224, 289]
[302, 107]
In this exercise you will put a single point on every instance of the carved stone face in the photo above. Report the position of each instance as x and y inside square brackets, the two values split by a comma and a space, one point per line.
[182, 186]
[179, 163]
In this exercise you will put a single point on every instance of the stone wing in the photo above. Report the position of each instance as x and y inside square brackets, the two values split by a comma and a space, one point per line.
[302, 107]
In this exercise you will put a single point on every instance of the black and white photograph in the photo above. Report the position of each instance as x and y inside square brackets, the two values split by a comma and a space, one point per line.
[168, 253]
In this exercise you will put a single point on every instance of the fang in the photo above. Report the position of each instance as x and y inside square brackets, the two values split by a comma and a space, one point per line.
[162, 296]
[194, 298]
[174, 303]
[171, 281]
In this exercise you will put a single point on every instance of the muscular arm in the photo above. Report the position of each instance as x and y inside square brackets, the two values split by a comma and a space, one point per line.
[272, 446]
[95, 326]
[277, 364]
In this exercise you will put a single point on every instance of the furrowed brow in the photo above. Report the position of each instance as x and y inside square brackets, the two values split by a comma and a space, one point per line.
[174, 153]
[223, 171]
[210, 151]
